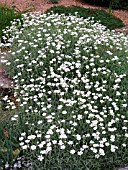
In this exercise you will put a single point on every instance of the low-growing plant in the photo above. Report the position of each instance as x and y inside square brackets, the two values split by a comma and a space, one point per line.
[70, 80]
[7, 14]
[8, 141]
[11, 156]
[105, 18]
[54, 1]
[116, 4]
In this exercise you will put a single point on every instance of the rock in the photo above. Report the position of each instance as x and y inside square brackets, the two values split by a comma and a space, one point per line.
[5, 81]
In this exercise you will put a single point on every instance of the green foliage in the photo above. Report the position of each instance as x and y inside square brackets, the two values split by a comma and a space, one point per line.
[70, 80]
[116, 4]
[63, 161]
[7, 14]
[8, 141]
[105, 18]
[54, 1]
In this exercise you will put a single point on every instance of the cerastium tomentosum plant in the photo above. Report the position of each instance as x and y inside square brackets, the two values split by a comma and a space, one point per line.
[70, 78]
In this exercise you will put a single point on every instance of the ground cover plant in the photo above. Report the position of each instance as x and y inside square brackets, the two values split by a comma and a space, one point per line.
[7, 14]
[104, 17]
[115, 4]
[54, 1]
[70, 82]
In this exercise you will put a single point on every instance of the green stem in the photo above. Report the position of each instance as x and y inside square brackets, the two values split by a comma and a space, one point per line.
[110, 7]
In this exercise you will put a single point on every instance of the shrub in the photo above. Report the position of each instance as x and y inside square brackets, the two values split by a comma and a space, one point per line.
[70, 81]
[105, 18]
[54, 1]
[116, 4]
[7, 14]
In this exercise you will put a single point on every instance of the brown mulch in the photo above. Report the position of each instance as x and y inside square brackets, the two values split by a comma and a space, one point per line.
[43, 5]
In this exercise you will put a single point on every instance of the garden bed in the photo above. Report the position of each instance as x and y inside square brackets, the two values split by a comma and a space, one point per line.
[69, 104]
[71, 88]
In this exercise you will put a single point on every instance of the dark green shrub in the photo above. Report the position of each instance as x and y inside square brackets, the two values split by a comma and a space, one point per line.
[54, 1]
[116, 4]
[7, 14]
[106, 19]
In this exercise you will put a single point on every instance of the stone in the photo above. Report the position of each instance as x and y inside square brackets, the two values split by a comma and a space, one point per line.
[5, 81]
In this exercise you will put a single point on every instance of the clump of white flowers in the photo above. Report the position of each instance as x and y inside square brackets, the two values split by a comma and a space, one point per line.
[70, 78]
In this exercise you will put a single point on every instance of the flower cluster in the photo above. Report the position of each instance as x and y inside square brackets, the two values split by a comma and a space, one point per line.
[19, 163]
[70, 78]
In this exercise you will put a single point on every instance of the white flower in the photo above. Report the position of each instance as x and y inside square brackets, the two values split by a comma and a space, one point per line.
[40, 157]
[107, 144]
[64, 112]
[24, 147]
[43, 152]
[126, 135]
[42, 144]
[60, 143]
[39, 122]
[94, 150]
[63, 136]
[62, 147]
[33, 147]
[97, 156]
[72, 151]
[54, 142]
[31, 137]
[85, 146]
[21, 144]
[47, 136]
[39, 135]
[13, 119]
[70, 142]
[79, 153]
[48, 149]
[59, 107]
[27, 141]
[101, 152]
[124, 145]
[79, 117]
[113, 148]
[109, 52]
[124, 105]
[78, 137]
[112, 138]
[21, 138]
